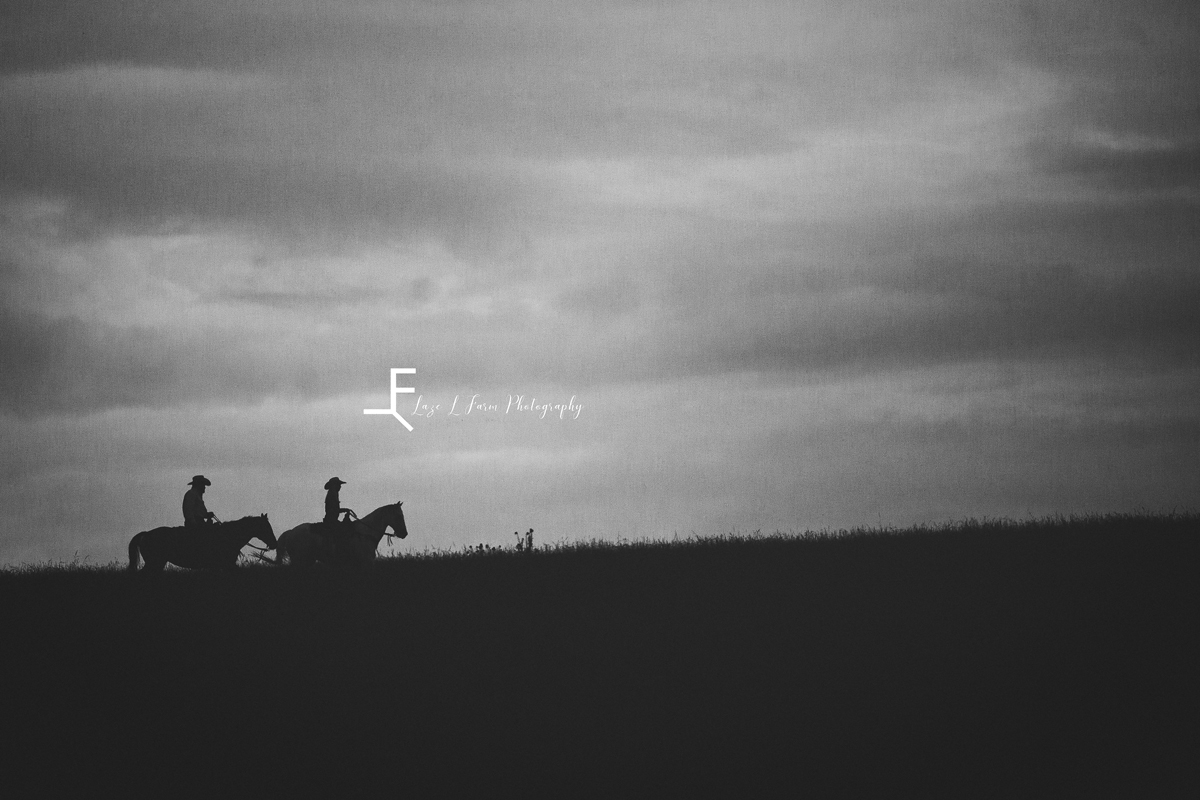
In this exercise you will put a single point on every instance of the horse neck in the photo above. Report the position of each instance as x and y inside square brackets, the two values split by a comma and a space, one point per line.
[377, 521]
[237, 528]
[245, 529]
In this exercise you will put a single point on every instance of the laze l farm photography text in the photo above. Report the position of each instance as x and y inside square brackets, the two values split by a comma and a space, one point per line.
[518, 405]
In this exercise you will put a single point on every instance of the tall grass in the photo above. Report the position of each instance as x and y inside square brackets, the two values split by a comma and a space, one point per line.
[981, 658]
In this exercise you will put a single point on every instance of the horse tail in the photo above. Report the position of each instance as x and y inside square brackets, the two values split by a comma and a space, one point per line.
[133, 552]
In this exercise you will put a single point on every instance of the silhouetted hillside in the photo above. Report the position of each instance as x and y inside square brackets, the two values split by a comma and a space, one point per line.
[1044, 658]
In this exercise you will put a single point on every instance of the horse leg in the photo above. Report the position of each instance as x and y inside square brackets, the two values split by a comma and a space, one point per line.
[285, 547]
[133, 553]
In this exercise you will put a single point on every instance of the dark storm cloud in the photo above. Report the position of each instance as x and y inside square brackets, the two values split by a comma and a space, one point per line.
[68, 366]
[1048, 313]
[398, 119]
[1112, 46]
[1005, 282]
[40, 36]
[65, 365]
[1127, 115]
[302, 120]
[238, 114]
[55, 365]
[1124, 167]
[145, 147]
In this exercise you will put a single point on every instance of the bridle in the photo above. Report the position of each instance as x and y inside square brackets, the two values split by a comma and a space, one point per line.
[256, 547]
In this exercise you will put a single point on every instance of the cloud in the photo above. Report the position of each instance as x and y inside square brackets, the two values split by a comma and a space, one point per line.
[1122, 165]
[816, 263]
[143, 148]
[978, 288]
[59, 34]
[424, 119]
[1124, 120]
[1012, 281]
[54, 365]
[1049, 313]
[57, 366]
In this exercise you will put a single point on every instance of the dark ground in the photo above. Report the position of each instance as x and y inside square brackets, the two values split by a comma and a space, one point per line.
[1045, 659]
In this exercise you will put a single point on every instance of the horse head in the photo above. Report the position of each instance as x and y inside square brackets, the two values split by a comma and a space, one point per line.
[397, 520]
[264, 532]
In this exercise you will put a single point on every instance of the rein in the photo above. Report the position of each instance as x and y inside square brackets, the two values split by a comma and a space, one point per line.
[382, 531]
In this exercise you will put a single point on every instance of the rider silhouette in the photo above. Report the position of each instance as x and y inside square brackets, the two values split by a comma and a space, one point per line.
[195, 513]
[333, 504]
[333, 508]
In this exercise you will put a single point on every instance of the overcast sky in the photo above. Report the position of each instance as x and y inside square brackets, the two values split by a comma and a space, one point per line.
[799, 264]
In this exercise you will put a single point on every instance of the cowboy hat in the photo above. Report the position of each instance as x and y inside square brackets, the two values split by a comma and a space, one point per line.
[329, 483]
[200, 479]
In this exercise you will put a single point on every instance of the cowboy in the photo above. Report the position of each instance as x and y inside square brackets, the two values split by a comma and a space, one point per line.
[333, 504]
[195, 514]
[337, 534]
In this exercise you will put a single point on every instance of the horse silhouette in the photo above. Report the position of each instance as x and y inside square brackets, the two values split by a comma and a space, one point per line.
[209, 547]
[310, 542]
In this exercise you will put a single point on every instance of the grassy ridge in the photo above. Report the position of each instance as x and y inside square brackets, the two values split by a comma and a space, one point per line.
[1044, 657]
